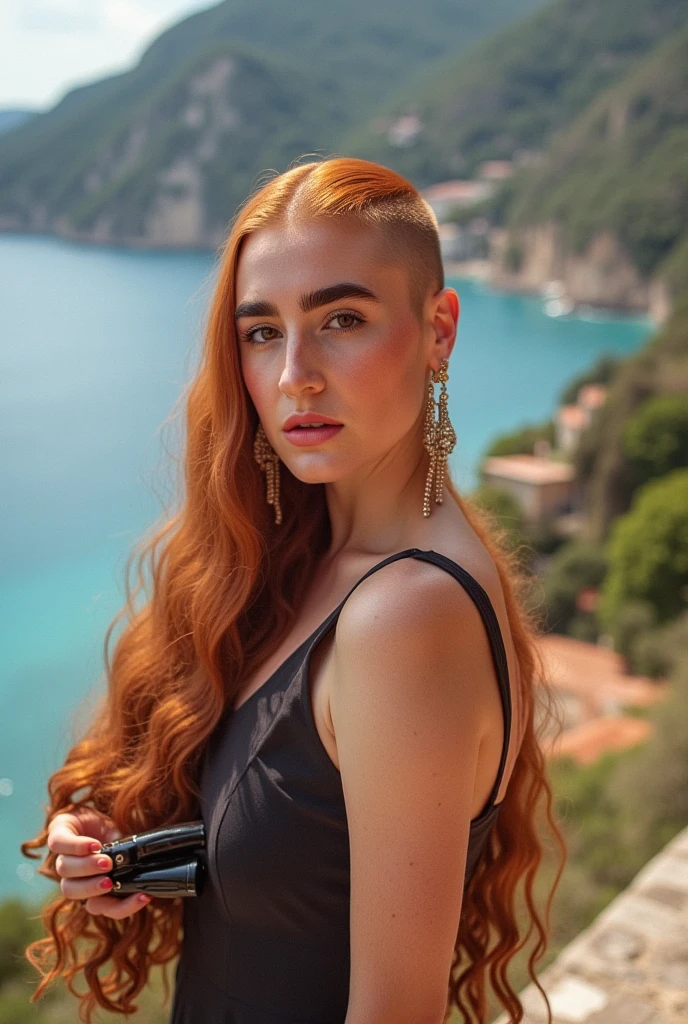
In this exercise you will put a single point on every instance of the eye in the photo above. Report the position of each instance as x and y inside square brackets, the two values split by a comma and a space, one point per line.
[351, 322]
[250, 334]
[344, 315]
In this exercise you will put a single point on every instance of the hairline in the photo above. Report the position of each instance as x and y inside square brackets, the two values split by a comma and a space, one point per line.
[397, 238]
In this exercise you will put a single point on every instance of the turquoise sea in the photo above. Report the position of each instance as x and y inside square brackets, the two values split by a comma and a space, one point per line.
[96, 345]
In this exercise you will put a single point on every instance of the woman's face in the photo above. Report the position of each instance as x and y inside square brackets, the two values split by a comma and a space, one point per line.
[309, 343]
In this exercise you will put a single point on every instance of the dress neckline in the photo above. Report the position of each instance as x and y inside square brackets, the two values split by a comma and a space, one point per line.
[491, 622]
[397, 554]
[389, 558]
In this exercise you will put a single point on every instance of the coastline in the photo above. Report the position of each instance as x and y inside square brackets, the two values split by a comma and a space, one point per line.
[482, 270]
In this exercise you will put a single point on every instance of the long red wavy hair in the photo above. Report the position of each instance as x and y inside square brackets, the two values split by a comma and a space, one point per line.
[221, 585]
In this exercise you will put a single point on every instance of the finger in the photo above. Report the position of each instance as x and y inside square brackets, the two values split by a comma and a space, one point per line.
[64, 837]
[81, 833]
[83, 888]
[116, 908]
[68, 866]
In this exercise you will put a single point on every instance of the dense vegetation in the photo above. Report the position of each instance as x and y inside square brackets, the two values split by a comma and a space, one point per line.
[630, 464]
[300, 75]
[111, 154]
[107, 158]
[621, 166]
[606, 467]
[515, 89]
[590, 102]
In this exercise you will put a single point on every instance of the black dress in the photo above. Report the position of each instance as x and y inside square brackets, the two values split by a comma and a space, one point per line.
[267, 942]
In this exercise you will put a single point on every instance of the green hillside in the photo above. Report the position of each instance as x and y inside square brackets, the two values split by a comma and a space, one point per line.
[603, 467]
[112, 164]
[622, 166]
[163, 153]
[513, 90]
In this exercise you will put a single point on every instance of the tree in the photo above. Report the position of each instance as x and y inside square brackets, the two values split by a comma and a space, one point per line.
[602, 372]
[576, 566]
[655, 438]
[635, 620]
[522, 442]
[659, 652]
[648, 552]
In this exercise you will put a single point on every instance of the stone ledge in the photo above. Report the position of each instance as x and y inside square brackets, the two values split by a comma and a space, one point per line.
[630, 966]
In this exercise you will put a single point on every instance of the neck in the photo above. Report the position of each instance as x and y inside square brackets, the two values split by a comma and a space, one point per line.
[380, 506]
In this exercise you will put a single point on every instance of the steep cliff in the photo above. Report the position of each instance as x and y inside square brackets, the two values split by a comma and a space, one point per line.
[606, 211]
[162, 154]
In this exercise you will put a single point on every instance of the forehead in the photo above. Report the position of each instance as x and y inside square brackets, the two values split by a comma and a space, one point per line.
[290, 258]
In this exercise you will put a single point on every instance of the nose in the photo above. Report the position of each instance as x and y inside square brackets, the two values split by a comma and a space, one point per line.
[301, 371]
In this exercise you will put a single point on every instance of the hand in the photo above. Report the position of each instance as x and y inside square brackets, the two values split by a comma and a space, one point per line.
[81, 870]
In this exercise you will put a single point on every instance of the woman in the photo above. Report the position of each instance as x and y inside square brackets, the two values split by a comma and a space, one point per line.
[337, 672]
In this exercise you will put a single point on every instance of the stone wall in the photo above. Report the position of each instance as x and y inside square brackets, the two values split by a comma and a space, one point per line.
[630, 966]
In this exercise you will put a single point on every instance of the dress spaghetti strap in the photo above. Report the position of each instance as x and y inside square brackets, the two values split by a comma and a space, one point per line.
[490, 621]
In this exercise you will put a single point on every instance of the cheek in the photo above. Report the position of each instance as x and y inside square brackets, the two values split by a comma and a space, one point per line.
[258, 383]
[386, 381]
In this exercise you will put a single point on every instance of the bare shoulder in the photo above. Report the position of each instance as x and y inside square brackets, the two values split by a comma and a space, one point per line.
[413, 628]
[416, 598]
[407, 595]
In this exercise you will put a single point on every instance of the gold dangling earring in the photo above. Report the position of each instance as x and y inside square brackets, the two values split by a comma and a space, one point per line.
[268, 460]
[439, 437]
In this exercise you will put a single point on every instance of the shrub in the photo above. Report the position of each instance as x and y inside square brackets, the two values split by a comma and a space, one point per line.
[648, 552]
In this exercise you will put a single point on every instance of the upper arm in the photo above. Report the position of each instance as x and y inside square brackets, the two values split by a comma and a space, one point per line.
[408, 712]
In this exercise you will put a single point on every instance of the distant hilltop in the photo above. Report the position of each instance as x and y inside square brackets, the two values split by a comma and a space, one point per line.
[13, 117]
[592, 134]
[164, 153]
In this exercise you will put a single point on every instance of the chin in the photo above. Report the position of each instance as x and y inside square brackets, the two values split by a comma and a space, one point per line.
[315, 473]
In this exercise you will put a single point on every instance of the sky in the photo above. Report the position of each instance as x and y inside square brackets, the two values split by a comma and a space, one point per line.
[49, 46]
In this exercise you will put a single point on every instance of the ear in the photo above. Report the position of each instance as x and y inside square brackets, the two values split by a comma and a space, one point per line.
[444, 319]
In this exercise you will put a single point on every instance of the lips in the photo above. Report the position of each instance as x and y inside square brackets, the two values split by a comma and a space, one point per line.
[307, 418]
[309, 435]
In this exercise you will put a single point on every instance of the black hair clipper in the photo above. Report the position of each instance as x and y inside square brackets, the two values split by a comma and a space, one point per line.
[168, 861]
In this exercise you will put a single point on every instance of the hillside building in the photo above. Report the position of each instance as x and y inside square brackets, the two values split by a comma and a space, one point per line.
[448, 195]
[543, 488]
[572, 420]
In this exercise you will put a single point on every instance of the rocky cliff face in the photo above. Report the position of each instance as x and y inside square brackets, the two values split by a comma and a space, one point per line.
[162, 154]
[603, 275]
[170, 166]
[176, 213]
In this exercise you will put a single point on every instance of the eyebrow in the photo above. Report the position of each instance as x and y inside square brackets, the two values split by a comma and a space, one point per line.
[309, 301]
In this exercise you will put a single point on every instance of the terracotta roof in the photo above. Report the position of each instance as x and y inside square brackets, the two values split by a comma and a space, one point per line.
[529, 469]
[596, 673]
[588, 741]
